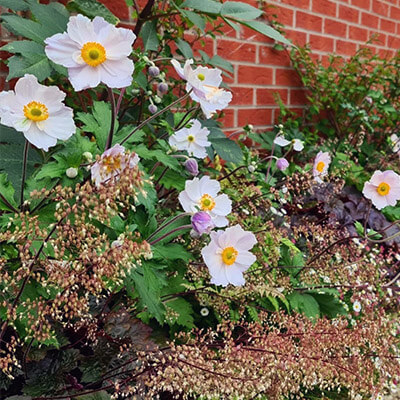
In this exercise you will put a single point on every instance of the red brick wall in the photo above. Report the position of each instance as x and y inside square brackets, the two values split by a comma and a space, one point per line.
[341, 26]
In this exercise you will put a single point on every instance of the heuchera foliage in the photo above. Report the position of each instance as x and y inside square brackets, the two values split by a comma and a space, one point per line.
[145, 254]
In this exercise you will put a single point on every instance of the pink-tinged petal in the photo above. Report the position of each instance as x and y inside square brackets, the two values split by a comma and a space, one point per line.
[209, 186]
[27, 87]
[80, 29]
[61, 124]
[178, 69]
[18, 122]
[223, 205]
[60, 49]
[116, 73]
[9, 102]
[52, 97]
[391, 178]
[230, 236]
[234, 275]
[39, 139]
[377, 178]
[247, 241]
[99, 24]
[220, 277]
[220, 221]
[394, 193]
[119, 43]
[84, 77]
[246, 258]
[380, 202]
[369, 191]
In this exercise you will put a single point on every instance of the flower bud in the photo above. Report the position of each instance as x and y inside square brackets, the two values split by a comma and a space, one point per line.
[72, 172]
[154, 71]
[157, 99]
[88, 156]
[204, 312]
[282, 164]
[146, 59]
[153, 108]
[162, 87]
[191, 166]
[202, 222]
[250, 126]
[251, 168]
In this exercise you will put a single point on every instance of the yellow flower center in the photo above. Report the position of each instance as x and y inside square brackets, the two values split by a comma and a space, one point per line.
[111, 163]
[320, 166]
[36, 111]
[383, 189]
[201, 77]
[207, 203]
[93, 53]
[190, 138]
[229, 255]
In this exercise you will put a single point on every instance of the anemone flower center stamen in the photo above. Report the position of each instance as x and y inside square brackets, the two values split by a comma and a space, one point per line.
[201, 77]
[320, 166]
[36, 111]
[93, 53]
[190, 138]
[112, 163]
[229, 255]
[207, 203]
[383, 189]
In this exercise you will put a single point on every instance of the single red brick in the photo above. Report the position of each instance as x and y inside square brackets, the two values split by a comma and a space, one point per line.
[255, 116]
[255, 75]
[349, 14]
[308, 21]
[388, 26]
[298, 38]
[228, 118]
[266, 97]
[359, 34]
[325, 7]
[393, 42]
[287, 77]
[321, 43]
[284, 15]
[380, 8]
[298, 3]
[345, 48]
[240, 51]
[117, 7]
[369, 20]
[242, 96]
[365, 4]
[268, 55]
[335, 28]
[395, 13]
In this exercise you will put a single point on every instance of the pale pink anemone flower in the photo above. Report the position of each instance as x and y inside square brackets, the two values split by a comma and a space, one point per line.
[38, 112]
[321, 166]
[93, 52]
[227, 256]
[111, 163]
[204, 83]
[383, 189]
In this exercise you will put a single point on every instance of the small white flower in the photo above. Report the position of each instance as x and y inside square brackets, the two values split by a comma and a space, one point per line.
[321, 166]
[297, 143]
[38, 112]
[204, 312]
[204, 83]
[395, 143]
[88, 156]
[112, 162]
[71, 172]
[251, 168]
[93, 51]
[227, 256]
[193, 139]
[357, 306]
[202, 195]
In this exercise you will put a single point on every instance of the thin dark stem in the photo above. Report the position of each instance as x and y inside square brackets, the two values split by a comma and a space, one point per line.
[146, 121]
[121, 96]
[179, 228]
[24, 163]
[113, 116]
[7, 203]
[162, 226]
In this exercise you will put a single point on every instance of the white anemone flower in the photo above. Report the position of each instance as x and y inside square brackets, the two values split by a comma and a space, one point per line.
[227, 256]
[383, 189]
[297, 143]
[193, 139]
[321, 166]
[38, 112]
[357, 306]
[93, 51]
[202, 195]
[204, 83]
[111, 163]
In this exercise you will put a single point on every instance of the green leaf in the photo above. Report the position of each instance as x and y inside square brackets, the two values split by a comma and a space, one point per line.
[184, 310]
[98, 122]
[7, 191]
[102, 395]
[184, 48]
[158, 155]
[53, 16]
[329, 304]
[26, 28]
[172, 251]
[206, 6]
[15, 5]
[149, 36]
[197, 20]
[266, 30]
[218, 61]
[92, 8]
[23, 47]
[304, 303]
[238, 10]
[37, 65]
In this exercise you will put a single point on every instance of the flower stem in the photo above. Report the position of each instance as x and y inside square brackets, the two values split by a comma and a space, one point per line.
[113, 116]
[179, 228]
[145, 122]
[24, 163]
[165, 224]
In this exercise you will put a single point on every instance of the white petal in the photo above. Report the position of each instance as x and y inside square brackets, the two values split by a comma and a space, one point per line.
[246, 258]
[80, 29]
[298, 145]
[223, 205]
[119, 43]
[187, 204]
[209, 186]
[117, 73]
[197, 151]
[27, 87]
[84, 77]
[192, 188]
[178, 68]
[234, 275]
[39, 139]
[281, 141]
[60, 49]
[247, 241]
[220, 221]
[61, 124]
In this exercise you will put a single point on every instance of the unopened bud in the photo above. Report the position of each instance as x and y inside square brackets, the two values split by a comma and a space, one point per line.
[153, 108]
[88, 156]
[154, 71]
[72, 172]
[162, 88]
[202, 222]
[282, 164]
[192, 167]
[157, 99]
[251, 168]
